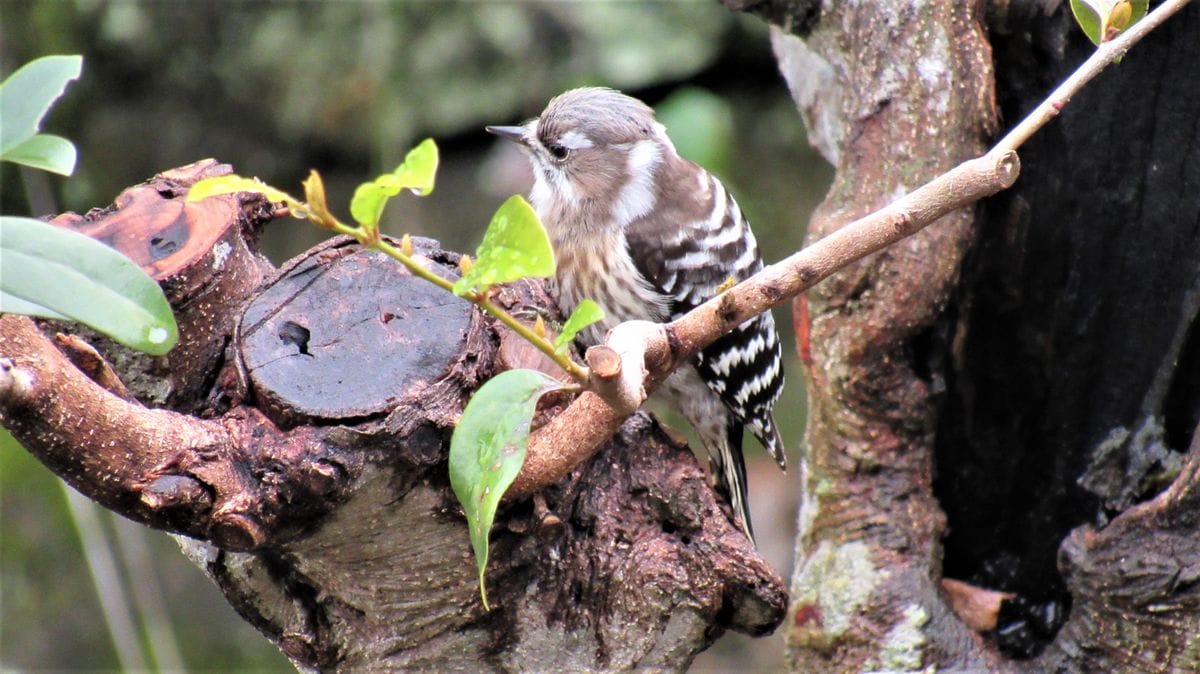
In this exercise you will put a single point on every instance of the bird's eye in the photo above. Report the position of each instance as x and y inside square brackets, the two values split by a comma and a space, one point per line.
[557, 151]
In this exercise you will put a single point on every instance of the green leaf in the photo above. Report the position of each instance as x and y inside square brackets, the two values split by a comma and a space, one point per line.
[1089, 15]
[366, 206]
[415, 173]
[488, 447]
[46, 152]
[16, 305]
[53, 272]
[585, 314]
[26, 97]
[1102, 20]
[232, 184]
[515, 246]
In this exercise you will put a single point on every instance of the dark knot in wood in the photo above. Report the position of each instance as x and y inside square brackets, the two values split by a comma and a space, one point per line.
[237, 532]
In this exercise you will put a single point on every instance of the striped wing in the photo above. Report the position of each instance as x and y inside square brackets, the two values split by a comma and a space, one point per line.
[687, 251]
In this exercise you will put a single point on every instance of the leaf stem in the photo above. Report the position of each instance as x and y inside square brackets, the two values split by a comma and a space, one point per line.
[413, 266]
[544, 345]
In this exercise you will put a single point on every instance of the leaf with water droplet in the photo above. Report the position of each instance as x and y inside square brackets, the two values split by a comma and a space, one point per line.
[416, 174]
[515, 246]
[54, 272]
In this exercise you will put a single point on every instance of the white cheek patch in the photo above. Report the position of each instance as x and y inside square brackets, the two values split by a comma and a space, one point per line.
[562, 185]
[540, 196]
[638, 197]
[575, 140]
[551, 188]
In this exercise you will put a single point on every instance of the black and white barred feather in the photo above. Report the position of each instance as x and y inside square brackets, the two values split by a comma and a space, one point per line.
[744, 367]
[650, 236]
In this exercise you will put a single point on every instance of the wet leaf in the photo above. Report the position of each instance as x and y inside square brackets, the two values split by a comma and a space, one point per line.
[416, 173]
[52, 272]
[515, 246]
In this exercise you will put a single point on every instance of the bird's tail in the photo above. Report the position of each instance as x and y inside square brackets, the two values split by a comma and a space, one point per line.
[767, 432]
[729, 473]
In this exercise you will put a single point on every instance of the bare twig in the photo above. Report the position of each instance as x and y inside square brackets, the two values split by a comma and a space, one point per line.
[591, 419]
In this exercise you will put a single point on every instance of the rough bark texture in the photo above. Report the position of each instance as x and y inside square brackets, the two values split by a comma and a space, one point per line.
[1045, 394]
[893, 98]
[298, 446]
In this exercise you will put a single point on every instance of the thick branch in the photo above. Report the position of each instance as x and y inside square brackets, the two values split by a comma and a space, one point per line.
[168, 470]
[94, 431]
[97, 441]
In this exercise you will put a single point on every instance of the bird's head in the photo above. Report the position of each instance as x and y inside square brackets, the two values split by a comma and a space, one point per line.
[593, 149]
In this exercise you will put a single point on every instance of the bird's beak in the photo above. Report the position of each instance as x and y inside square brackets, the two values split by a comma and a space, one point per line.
[514, 133]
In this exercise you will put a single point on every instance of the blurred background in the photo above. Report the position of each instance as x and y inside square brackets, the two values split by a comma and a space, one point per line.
[347, 88]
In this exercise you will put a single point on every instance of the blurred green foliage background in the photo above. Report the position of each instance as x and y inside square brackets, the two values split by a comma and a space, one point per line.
[347, 88]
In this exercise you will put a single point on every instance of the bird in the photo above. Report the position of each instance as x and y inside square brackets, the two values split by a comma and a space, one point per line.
[650, 235]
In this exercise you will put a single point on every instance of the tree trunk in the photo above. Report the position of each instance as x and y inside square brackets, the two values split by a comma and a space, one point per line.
[296, 441]
[1017, 381]
[890, 118]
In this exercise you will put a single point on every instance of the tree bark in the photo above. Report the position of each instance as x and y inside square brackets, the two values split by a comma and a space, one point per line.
[893, 100]
[1017, 380]
[297, 444]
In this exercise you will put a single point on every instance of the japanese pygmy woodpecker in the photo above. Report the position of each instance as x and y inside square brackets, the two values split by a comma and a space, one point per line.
[649, 235]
